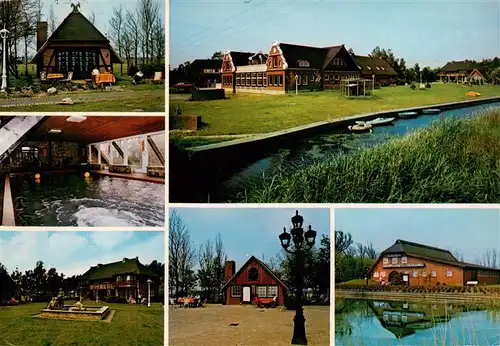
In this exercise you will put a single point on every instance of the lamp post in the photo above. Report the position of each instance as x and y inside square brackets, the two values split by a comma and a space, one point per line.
[3, 34]
[296, 84]
[302, 242]
[149, 291]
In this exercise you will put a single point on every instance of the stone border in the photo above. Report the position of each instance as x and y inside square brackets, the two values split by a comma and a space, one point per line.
[399, 296]
[9, 214]
[335, 123]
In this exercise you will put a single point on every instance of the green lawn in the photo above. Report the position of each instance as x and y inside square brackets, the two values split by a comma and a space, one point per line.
[131, 325]
[254, 113]
[358, 282]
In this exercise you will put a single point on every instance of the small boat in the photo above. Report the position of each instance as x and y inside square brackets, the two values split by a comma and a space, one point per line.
[380, 121]
[360, 126]
[408, 115]
[431, 111]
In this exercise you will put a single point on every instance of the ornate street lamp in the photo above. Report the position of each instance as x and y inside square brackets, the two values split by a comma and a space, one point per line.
[3, 34]
[149, 291]
[302, 242]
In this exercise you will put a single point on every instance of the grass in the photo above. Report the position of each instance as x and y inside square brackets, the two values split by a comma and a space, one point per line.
[147, 102]
[131, 325]
[210, 325]
[253, 113]
[452, 161]
[358, 282]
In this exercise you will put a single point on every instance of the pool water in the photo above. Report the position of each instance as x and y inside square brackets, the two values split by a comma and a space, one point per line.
[364, 322]
[72, 200]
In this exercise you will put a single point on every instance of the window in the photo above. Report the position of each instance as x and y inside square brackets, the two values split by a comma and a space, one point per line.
[404, 260]
[298, 80]
[235, 291]
[280, 80]
[386, 260]
[433, 273]
[259, 79]
[118, 278]
[326, 77]
[415, 273]
[394, 260]
[304, 79]
[449, 273]
[313, 79]
[337, 77]
[254, 79]
[248, 79]
[28, 154]
[272, 291]
[375, 274]
[238, 79]
[369, 68]
[253, 274]
[383, 68]
[360, 67]
[378, 68]
[424, 274]
[261, 291]
[269, 80]
[275, 80]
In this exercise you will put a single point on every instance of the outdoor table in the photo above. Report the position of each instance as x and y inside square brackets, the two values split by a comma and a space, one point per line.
[105, 78]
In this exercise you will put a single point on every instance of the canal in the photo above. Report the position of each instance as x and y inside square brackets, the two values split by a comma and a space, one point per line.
[228, 185]
[363, 322]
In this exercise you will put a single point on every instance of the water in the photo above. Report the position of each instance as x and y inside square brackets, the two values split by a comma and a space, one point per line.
[363, 322]
[316, 148]
[72, 200]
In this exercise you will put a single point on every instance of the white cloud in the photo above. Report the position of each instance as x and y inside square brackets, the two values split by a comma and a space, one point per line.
[109, 240]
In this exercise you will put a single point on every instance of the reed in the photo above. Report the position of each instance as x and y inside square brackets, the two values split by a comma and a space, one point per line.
[451, 161]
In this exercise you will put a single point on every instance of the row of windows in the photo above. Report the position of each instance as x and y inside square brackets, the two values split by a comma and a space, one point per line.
[379, 68]
[394, 260]
[415, 274]
[261, 291]
[227, 80]
[337, 77]
[251, 79]
[488, 273]
[121, 278]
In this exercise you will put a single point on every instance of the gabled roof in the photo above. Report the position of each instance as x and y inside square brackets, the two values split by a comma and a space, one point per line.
[240, 58]
[200, 64]
[369, 66]
[455, 66]
[266, 268]
[317, 57]
[125, 266]
[77, 28]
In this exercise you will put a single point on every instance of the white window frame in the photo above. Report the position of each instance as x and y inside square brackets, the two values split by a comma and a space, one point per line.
[272, 288]
[433, 273]
[415, 274]
[449, 273]
[236, 295]
[394, 260]
[326, 76]
[375, 274]
[385, 260]
[262, 288]
[404, 260]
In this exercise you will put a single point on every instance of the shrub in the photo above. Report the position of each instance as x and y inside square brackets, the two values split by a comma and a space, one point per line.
[428, 85]
[413, 86]
[175, 110]
[132, 70]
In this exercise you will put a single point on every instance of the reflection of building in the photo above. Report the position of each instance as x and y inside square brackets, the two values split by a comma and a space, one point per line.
[421, 265]
[8, 288]
[253, 279]
[75, 46]
[403, 319]
[123, 279]
[461, 72]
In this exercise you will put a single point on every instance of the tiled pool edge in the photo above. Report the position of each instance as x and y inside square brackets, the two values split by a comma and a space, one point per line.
[8, 216]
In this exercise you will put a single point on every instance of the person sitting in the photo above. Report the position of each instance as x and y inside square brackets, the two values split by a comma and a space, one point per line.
[95, 75]
[138, 77]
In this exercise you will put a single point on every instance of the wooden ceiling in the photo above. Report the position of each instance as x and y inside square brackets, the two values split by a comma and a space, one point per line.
[96, 128]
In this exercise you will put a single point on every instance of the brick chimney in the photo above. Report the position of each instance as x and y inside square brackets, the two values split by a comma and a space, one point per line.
[229, 270]
[42, 34]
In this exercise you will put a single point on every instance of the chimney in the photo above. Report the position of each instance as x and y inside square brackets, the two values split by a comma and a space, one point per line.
[229, 270]
[42, 34]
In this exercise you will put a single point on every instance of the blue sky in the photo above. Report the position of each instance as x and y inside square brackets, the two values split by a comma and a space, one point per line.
[250, 231]
[428, 32]
[467, 231]
[74, 252]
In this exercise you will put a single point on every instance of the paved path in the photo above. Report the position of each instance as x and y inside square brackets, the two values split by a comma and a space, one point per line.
[81, 97]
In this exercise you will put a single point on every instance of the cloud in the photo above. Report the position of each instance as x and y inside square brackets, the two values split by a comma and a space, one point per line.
[109, 240]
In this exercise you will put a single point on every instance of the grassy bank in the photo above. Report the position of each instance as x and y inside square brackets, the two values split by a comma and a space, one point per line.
[451, 161]
[253, 113]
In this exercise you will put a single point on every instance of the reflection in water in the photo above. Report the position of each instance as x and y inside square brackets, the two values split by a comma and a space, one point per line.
[317, 148]
[72, 200]
[359, 322]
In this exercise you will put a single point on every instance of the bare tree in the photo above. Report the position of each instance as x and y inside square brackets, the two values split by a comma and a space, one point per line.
[52, 20]
[181, 254]
[343, 241]
[132, 31]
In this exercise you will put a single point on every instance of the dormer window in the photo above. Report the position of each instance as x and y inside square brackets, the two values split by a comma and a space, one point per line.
[369, 67]
[383, 68]
[360, 67]
[394, 260]
[378, 68]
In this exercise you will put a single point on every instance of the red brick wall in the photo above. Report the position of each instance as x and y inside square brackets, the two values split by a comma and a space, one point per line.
[424, 275]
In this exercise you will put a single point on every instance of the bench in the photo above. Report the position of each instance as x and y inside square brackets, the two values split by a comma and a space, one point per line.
[264, 302]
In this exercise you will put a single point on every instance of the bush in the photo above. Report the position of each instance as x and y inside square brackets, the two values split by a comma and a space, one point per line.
[132, 70]
[413, 86]
[175, 110]
[428, 85]
[150, 69]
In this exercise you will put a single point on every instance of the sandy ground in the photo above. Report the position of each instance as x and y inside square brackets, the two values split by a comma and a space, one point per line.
[211, 325]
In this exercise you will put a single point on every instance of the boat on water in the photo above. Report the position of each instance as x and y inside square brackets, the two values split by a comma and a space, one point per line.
[381, 121]
[408, 114]
[360, 126]
[431, 111]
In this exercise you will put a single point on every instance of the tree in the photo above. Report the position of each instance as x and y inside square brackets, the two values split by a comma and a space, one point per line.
[181, 255]
[217, 56]
[343, 241]
[211, 259]
[52, 20]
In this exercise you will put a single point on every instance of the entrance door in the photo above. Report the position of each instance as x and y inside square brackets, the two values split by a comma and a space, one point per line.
[246, 294]
[406, 279]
